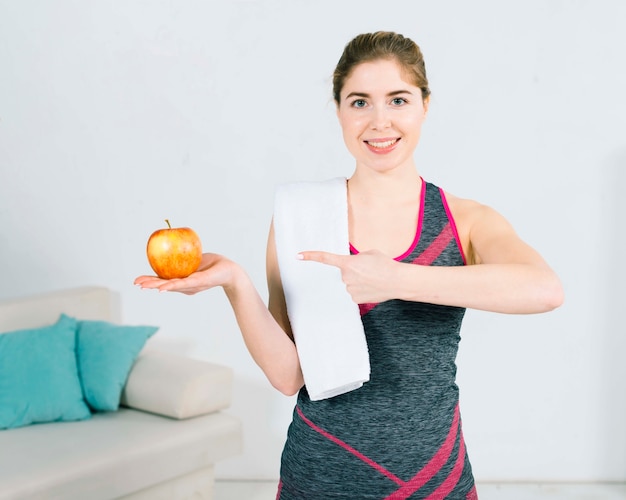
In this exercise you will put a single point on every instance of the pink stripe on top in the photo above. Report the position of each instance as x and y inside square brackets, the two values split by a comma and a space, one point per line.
[453, 478]
[435, 464]
[280, 489]
[418, 231]
[439, 244]
[428, 471]
[452, 224]
[350, 449]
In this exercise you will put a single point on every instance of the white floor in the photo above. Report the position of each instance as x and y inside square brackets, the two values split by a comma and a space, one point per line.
[266, 490]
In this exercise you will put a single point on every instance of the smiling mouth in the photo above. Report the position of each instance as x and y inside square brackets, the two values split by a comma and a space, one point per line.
[382, 144]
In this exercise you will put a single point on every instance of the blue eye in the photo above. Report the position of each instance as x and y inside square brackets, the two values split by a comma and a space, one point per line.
[359, 103]
[398, 101]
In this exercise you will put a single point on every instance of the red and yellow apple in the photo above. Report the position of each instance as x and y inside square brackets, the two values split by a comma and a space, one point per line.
[174, 252]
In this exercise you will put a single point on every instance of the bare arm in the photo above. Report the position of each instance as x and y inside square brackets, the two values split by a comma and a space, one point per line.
[506, 274]
[265, 337]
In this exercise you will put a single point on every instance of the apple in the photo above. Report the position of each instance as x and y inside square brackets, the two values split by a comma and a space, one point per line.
[174, 252]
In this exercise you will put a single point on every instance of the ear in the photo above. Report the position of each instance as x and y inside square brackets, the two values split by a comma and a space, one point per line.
[426, 105]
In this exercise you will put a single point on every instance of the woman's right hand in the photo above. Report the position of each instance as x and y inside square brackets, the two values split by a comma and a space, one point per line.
[266, 339]
[214, 270]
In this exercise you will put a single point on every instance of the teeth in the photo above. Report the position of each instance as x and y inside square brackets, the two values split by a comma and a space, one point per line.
[382, 145]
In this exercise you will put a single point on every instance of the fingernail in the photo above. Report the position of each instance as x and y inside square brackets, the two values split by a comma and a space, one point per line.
[299, 256]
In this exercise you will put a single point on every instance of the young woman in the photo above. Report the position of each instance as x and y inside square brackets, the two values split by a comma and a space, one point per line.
[419, 257]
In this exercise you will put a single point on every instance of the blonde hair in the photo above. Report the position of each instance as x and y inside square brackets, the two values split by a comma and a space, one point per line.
[369, 47]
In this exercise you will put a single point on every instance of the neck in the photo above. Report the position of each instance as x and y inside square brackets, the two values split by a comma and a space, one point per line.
[369, 185]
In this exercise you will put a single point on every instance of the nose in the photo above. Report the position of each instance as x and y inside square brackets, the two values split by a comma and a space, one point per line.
[381, 119]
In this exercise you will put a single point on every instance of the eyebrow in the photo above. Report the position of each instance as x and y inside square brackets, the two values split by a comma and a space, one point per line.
[390, 94]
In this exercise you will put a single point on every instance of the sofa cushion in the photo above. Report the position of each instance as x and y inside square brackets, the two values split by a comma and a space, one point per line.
[39, 377]
[111, 455]
[105, 353]
[177, 386]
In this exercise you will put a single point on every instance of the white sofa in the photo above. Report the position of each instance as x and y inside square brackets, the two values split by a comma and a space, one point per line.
[162, 444]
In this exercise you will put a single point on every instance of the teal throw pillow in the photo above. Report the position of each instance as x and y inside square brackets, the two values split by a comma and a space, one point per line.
[106, 353]
[39, 377]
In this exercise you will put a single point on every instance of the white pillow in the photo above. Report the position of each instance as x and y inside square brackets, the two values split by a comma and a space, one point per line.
[176, 386]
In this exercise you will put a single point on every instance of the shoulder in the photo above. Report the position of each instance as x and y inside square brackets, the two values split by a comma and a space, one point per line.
[477, 224]
[466, 210]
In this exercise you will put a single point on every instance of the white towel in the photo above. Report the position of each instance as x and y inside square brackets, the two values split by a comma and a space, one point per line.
[326, 323]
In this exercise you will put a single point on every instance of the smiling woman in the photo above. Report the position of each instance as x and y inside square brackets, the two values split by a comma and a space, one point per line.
[381, 115]
[414, 258]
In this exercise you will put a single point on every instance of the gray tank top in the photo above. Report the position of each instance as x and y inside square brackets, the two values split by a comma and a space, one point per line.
[399, 436]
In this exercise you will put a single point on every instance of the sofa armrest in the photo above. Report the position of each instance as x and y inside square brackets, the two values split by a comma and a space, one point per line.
[176, 386]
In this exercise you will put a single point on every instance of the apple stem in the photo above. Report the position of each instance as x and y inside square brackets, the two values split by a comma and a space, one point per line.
[168, 223]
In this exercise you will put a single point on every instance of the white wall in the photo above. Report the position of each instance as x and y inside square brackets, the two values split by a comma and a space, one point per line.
[117, 115]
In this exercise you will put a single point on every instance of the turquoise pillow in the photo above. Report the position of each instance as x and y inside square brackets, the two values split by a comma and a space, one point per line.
[106, 353]
[39, 377]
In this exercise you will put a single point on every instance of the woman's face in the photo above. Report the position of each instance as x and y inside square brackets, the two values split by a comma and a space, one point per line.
[381, 115]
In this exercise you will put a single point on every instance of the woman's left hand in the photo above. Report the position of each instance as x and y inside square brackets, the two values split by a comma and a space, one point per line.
[369, 276]
[214, 270]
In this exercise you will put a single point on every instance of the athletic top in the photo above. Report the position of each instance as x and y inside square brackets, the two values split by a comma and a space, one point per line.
[399, 436]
